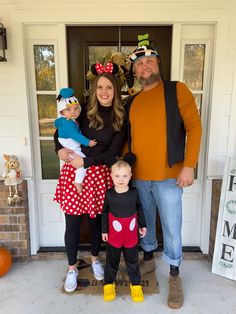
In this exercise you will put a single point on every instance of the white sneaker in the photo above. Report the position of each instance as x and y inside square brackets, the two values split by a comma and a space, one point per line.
[98, 270]
[71, 280]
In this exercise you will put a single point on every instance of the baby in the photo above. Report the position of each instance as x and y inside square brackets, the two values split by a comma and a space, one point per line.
[68, 129]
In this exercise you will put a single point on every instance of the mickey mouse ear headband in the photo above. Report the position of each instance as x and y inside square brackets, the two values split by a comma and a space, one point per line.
[111, 68]
[144, 49]
[66, 98]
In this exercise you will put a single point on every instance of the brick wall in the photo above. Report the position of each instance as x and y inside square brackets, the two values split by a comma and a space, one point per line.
[14, 224]
[215, 202]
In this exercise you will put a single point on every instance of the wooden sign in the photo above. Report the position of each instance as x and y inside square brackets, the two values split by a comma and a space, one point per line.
[224, 259]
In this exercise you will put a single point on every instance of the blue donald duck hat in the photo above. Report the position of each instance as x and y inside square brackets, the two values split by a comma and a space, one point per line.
[66, 98]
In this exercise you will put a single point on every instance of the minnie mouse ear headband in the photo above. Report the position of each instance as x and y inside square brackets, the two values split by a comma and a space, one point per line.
[143, 49]
[111, 68]
[66, 99]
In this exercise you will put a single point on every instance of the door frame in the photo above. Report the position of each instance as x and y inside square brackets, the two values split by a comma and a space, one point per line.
[63, 81]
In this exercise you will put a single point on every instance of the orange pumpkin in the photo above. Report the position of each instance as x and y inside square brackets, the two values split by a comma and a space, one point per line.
[5, 261]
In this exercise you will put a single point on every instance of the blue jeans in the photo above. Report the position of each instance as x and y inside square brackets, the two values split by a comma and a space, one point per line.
[166, 197]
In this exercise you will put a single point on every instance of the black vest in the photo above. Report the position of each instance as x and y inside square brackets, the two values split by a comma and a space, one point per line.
[176, 134]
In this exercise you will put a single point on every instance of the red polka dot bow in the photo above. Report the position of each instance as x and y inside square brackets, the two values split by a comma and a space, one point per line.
[98, 68]
[101, 69]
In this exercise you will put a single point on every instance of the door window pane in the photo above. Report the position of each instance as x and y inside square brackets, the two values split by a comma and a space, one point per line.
[45, 80]
[198, 100]
[194, 58]
[47, 113]
[194, 62]
[44, 60]
[49, 160]
[127, 50]
[100, 54]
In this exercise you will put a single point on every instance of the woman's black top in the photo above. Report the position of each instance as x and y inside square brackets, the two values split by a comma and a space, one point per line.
[110, 142]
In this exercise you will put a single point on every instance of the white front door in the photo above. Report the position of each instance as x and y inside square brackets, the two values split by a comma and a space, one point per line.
[46, 65]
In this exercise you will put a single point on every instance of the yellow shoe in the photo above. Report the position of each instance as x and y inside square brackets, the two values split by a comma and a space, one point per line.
[109, 292]
[136, 293]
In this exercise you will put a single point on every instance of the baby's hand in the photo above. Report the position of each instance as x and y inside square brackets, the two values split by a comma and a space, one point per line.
[142, 232]
[105, 237]
[92, 143]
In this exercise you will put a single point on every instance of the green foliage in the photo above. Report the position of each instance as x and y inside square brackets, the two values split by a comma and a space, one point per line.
[44, 67]
[194, 59]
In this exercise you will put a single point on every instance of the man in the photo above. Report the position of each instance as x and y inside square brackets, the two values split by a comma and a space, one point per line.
[166, 139]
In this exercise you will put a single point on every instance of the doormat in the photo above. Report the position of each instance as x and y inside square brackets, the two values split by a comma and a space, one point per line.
[87, 284]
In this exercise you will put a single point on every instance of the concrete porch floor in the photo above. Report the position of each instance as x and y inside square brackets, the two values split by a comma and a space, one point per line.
[35, 288]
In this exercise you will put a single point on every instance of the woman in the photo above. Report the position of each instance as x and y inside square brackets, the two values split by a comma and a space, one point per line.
[103, 119]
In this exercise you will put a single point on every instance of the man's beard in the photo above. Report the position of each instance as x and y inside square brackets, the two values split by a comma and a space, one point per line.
[154, 77]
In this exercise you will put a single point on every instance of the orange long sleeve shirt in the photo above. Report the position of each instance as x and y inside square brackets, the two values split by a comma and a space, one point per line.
[149, 134]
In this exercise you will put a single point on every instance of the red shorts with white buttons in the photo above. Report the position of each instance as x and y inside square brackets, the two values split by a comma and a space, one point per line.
[123, 231]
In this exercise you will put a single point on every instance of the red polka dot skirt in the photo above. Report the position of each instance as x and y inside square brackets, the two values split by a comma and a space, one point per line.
[90, 200]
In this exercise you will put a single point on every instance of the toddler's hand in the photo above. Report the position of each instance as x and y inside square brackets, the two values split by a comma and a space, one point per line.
[92, 143]
[142, 232]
